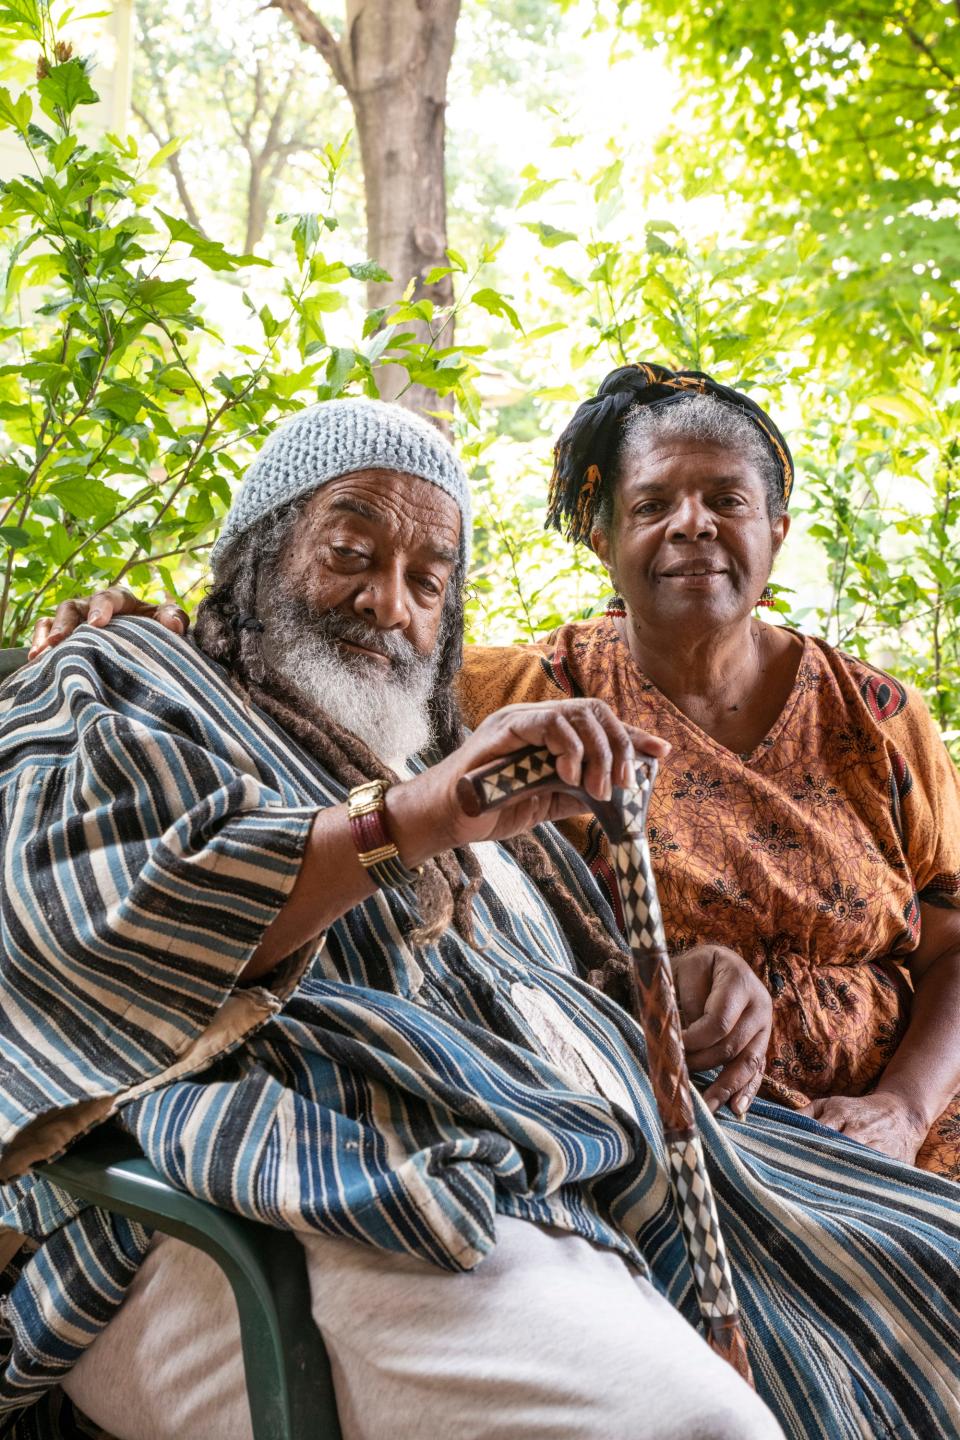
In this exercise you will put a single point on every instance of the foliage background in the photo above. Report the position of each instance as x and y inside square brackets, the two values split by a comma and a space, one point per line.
[763, 193]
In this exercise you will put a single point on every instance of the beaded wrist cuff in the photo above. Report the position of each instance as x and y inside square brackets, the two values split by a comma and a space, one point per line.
[375, 850]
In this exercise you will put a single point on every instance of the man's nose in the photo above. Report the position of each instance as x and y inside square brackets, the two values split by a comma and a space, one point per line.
[692, 520]
[384, 600]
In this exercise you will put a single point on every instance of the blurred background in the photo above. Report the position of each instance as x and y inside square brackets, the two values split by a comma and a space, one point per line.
[215, 211]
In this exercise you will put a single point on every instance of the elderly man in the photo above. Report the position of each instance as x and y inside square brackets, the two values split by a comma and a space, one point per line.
[395, 1054]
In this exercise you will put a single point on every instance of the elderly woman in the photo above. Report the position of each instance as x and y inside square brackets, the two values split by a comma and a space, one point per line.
[808, 816]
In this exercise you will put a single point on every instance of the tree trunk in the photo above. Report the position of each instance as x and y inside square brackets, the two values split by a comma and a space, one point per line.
[398, 59]
[393, 61]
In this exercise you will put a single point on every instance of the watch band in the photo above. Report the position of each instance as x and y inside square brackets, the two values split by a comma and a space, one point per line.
[375, 850]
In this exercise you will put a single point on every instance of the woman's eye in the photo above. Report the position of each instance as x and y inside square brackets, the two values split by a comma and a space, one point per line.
[345, 552]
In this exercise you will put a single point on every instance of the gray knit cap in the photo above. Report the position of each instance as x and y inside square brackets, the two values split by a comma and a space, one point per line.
[334, 438]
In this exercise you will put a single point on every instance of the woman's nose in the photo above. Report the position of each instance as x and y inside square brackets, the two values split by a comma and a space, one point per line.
[692, 520]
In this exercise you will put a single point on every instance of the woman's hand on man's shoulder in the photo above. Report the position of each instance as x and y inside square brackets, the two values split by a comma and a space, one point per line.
[99, 609]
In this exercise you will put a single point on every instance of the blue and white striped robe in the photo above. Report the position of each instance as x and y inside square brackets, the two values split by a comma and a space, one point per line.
[152, 826]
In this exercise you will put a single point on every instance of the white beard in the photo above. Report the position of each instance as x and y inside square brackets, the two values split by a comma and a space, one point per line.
[388, 712]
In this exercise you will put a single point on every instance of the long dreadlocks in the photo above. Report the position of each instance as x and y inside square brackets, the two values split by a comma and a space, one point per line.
[448, 883]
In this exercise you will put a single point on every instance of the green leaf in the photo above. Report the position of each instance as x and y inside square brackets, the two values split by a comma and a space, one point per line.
[122, 401]
[899, 408]
[209, 252]
[559, 392]
[14, 113]
[370, 270]
[608, 181]
[496, 304]
[14, 538]
[550, 235]
[62, 151]
[22, 12]
[328, 301]
[379, 343]
[324, 272]
[534, 190]
[338, 369]
[59, 543]
[159, 157]
[373, 320]
[306, 234]
[86, 498]
[66, 86]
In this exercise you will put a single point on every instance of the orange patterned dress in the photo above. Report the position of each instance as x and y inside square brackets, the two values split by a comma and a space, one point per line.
[809, 856]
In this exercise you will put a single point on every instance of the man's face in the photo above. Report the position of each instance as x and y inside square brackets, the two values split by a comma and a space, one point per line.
[353, 608]
[378, 548]
[691, 541]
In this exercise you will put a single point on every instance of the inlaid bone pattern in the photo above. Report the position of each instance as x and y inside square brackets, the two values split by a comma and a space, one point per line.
[711, 1269]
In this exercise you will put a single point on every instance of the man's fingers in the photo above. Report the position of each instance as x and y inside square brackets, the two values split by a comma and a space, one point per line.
[646, 744]
[565, 745]
[596, 771]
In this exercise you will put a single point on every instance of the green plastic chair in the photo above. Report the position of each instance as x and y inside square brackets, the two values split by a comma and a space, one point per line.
[289, 1385]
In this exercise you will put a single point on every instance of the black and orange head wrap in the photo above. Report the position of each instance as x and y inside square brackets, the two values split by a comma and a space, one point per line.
[586, 454]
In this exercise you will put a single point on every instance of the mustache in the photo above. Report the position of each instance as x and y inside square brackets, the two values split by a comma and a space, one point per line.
[333, 626]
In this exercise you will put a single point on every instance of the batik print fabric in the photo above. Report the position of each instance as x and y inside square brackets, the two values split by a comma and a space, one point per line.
[809, 857]
[150, 827]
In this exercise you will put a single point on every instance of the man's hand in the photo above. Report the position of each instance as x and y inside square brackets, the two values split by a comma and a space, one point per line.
[592, 748]
[727, 1014]
[882, 1121]
[100, 609]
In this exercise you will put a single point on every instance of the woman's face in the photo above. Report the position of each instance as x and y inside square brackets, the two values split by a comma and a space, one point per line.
[690, 541]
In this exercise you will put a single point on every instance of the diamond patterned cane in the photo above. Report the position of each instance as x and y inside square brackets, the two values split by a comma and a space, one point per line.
[623, 819]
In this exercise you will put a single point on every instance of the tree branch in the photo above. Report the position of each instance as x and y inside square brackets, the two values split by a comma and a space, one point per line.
[176, 170]
[314, 33]
[920, 44]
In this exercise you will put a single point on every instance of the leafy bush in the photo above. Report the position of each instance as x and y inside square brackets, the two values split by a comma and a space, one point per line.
[126, 415]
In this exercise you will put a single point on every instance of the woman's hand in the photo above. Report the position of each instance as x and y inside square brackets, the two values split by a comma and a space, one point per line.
[592, 748]
[100, 609]
[882, 1120]
[727, 1014]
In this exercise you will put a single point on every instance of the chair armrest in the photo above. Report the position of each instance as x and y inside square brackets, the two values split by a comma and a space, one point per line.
[11, 660]
[289, 1385]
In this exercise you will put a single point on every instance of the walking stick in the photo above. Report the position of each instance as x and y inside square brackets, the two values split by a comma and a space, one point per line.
[623, 819]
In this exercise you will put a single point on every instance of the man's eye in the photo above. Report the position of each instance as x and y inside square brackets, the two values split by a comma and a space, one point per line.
[649, 507]
[730, 502]
[347, 553]
[430, 585]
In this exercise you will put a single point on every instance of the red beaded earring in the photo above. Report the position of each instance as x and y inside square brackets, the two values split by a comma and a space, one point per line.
[767, 598]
